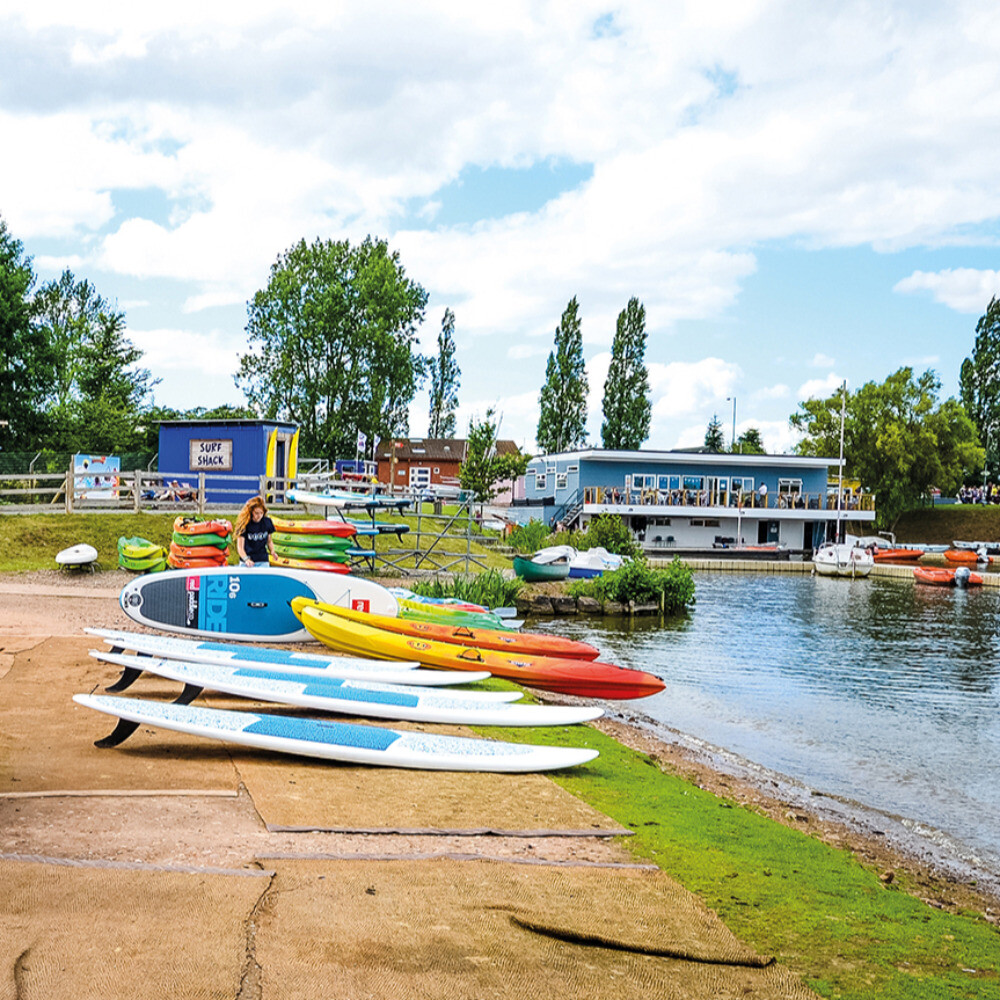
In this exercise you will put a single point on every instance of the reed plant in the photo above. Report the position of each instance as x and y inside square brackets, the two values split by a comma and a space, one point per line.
[490, 589]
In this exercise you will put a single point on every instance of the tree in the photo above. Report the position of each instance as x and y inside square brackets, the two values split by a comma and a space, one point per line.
[484, 467]
[627, 409]
[97, 393]
[563, 401]
[25, 358]
[750, 443]
[444, 376]
[897, 439]
[333, 344]
[714, 441]
[979, 383]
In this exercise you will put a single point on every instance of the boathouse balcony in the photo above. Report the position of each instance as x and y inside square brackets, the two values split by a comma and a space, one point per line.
[599, 499]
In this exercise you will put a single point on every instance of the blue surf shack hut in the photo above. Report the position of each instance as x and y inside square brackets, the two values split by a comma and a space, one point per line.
[234, 456]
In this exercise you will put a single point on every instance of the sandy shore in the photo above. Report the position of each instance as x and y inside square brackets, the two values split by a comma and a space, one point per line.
[224, 831]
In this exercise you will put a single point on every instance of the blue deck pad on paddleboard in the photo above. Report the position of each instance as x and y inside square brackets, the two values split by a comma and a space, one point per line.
[317, 681]
[341, 741]
[242, 603]
[229, 654]
[385, 701]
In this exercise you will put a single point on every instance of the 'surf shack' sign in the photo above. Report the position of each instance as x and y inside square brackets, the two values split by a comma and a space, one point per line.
[211, 456]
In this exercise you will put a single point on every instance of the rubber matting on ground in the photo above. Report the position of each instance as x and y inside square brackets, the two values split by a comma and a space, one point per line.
[452, 929]
[297, 793]
[47, 740]
[116, 934]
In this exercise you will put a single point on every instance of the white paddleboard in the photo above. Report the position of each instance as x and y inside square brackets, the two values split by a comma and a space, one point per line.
[228, 654]
[77, 555]
[242, 603]
[377, 701]
[339, 740]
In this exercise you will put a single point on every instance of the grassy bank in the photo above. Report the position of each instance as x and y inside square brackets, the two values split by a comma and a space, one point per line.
[814, 907]
[31, 541]
[942, 525]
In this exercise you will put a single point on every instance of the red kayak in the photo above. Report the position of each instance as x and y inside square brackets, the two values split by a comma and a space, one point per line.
[192, 526]
[338, 529]
[943, 577]
[528, 643]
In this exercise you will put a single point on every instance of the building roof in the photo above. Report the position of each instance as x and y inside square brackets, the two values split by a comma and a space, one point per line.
[433, 449]
[689, 458]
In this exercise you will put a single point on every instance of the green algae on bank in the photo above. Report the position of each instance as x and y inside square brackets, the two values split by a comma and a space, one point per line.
[783, 892]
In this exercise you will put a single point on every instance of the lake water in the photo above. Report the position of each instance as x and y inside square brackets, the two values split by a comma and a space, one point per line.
[877, 692]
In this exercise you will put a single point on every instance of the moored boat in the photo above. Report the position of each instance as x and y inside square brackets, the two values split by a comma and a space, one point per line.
[897, 555]
[941, 577]
[839, 559]
[532, 570]
[968, 557]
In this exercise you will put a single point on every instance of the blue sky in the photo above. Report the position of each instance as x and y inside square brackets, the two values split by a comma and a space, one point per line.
[799, 195]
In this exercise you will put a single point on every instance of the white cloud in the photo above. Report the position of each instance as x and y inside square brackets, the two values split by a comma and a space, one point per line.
[963, 289]
[778, 391]
[820, 388]
[680, 389]
[518, 352]
[822, 361]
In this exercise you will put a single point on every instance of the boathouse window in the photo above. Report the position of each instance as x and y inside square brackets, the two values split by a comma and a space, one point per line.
[572, 468]
[643, 482]
[789, 486]
[705, 522]
[560, 480]
[540, 481]
[744, 483]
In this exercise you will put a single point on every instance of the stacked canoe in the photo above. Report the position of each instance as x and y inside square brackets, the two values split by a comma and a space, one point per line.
[141, 556]
[318, 545]
[199, 543]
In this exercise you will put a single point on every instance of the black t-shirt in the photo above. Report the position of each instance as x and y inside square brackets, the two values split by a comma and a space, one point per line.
[255, 539]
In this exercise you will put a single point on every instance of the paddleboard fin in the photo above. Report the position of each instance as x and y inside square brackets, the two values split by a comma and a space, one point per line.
[190, 692]
[124, 729]
[129, 676]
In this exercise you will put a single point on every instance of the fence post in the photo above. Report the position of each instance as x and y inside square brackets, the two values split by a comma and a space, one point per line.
[201, 492]
[70, 486]
[468, 537]
[137, 491]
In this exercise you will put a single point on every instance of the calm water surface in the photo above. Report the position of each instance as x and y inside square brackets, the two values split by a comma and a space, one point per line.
[877, 691]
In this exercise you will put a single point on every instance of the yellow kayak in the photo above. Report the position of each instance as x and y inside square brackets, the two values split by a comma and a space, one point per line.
[586, 678]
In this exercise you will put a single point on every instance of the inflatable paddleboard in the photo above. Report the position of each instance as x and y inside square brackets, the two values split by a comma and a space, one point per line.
[350, 667]
[243, 603]
[77, 555]
[372, 700]
[335, 740]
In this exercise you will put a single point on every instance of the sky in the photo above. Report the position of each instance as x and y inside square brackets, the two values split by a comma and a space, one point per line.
[799, 194]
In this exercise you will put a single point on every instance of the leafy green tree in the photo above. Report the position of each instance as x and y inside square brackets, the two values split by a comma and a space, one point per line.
[898, 440]
[333, 344]
[25, 358]
[714, 440]
[563, 401]
[484, 467]
[444, 376]
[627, 409]
[979, 383]
[750, 443]
[98, 392]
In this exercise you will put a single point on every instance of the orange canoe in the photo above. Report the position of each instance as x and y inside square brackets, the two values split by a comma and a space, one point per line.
[528, 643]
[339, 529]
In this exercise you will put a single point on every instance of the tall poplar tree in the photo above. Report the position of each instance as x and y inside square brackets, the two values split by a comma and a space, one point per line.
[445, 374]
[979, 383]
[627, 409]
[563, 400]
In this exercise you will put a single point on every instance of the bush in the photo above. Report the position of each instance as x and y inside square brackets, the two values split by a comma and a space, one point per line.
[528, 538]
[490, 589]
[606, 531]
[672, 588]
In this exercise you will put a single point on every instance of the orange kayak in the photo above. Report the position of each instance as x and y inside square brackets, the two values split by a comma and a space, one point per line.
[585, 678]
[322, 565]
[192, 526]
[340, 529]
[198, 551]
[480, 638]
[178, 563]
